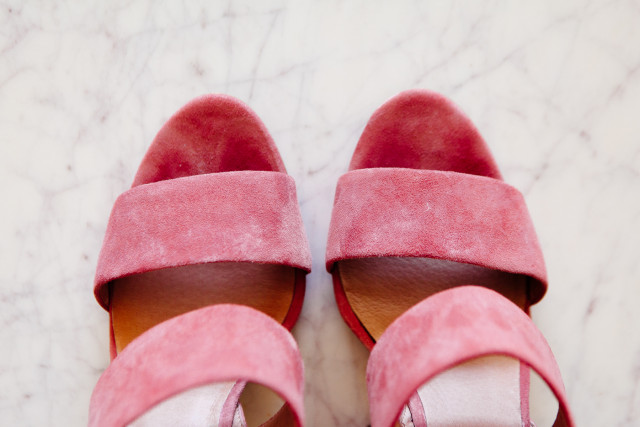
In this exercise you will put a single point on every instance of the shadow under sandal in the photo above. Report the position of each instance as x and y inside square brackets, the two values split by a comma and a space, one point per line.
[212, 219]
[422, 210]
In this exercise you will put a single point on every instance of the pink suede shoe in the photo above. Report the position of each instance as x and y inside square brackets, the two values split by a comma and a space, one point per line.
[212, 218]
[424, 210]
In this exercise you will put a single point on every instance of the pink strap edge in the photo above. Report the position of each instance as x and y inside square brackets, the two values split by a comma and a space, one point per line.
[242, 216]
[213, 344]
[382, 212]
[454, 326]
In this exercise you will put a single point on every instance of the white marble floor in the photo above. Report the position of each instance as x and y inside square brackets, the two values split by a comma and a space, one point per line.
[84, 85]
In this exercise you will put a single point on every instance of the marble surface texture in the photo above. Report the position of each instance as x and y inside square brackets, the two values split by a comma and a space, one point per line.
[554, 87]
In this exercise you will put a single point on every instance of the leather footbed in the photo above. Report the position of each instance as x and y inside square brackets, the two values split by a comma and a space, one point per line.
[141, 301]
[380, 289]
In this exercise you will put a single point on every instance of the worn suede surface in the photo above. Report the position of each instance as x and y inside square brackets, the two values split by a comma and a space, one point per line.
[465, 218]
[454, 326]
[171, 222]
[248, 216]
[213, 133]
[423, 130]
[423, 183]
[420, 131]
[213, 344]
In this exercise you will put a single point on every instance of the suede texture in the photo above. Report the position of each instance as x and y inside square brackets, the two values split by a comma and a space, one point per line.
[245, 216]
[213, 344]
[213, 133]
[412, 136]
[459, 217]
[422, 131]
[418, 129]
[454, 326]
[166, 223]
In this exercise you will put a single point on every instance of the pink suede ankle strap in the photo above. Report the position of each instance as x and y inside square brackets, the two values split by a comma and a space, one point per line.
[250, 216]
[213, 344]
[448, 329]
[385, 212]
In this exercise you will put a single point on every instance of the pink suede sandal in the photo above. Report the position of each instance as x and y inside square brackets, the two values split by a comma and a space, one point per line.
[212, 219]
[424, 210]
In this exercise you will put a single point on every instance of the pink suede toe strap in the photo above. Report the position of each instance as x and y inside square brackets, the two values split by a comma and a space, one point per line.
[213, 344]
[448, 329]
[250, 216]
[385, 212]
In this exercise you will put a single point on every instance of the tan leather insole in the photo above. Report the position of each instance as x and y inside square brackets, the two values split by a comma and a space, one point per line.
[141, 301]
[381, 289]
